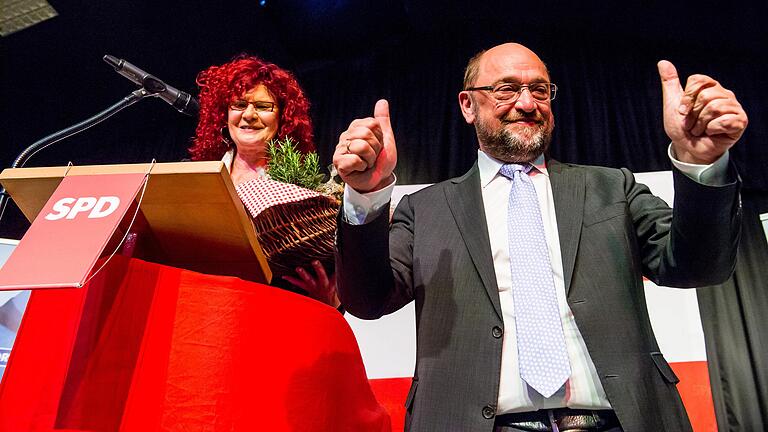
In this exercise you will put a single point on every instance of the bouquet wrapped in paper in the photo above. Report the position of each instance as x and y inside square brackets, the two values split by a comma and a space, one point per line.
[293, 212]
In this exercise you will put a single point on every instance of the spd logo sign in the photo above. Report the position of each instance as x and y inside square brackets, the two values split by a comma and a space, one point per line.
[70, 232]
[70, 207]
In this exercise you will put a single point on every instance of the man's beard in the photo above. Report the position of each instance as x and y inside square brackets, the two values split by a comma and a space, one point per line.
[508, 146]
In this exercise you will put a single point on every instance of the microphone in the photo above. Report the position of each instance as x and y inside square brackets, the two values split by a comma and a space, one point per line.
[182, 101]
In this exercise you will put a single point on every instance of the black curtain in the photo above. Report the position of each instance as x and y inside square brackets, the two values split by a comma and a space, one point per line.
[347, 55]
[733, 316]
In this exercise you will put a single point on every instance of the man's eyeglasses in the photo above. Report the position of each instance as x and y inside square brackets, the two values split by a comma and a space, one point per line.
[509, 92]
[259, 106]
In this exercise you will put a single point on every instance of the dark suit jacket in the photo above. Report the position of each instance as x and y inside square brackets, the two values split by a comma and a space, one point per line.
[612, 232]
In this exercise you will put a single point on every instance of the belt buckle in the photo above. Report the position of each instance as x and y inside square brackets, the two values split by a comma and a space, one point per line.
[575, 422]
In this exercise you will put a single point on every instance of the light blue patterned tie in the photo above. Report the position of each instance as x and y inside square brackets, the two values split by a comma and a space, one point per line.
[541, 347]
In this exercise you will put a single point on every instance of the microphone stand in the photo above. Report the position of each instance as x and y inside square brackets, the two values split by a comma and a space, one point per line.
[30, 151]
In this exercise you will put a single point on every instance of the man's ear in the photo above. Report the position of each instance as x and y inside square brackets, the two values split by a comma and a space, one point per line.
[467, 107]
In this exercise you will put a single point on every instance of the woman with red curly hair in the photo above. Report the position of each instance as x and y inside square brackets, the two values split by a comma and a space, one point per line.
[244, 104]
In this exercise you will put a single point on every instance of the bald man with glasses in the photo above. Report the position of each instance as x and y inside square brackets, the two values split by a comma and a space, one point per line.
[527, 272]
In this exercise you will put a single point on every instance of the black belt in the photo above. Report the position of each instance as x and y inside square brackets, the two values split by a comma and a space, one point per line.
[560, 419]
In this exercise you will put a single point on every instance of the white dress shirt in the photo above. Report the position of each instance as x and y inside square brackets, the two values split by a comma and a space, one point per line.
[583, 389]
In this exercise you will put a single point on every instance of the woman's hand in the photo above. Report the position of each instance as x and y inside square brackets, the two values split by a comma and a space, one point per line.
[319, 286]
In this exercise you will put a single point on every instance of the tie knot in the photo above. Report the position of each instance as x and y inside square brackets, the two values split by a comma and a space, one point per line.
[509, 170]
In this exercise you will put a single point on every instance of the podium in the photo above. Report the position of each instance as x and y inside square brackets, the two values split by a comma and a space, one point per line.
[190, 216]
[150, 346]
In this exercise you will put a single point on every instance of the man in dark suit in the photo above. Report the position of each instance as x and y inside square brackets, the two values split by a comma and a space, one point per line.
[527, 272]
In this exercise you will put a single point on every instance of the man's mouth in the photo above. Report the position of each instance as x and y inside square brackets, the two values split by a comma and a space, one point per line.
[523, 121]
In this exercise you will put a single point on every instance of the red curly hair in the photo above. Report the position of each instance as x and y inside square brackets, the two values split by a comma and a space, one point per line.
[220, 84]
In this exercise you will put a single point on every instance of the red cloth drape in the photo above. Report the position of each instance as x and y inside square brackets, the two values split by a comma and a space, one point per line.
[146, 347]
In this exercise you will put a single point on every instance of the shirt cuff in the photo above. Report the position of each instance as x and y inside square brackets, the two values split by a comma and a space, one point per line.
[714, 174]
[361, 208]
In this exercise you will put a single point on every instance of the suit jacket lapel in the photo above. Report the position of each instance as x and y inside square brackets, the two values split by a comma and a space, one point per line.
[466, 203]
[568, 191]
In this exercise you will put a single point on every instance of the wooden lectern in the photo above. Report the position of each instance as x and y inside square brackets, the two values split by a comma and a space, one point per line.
[150, 346]
[190, 215]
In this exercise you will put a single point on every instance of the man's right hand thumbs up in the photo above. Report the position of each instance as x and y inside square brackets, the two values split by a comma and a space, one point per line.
[366, 153]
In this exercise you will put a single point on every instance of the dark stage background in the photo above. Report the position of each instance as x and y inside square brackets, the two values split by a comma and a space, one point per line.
[348, 54]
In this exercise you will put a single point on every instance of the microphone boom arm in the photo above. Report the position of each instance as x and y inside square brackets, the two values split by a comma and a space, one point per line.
[30, 151]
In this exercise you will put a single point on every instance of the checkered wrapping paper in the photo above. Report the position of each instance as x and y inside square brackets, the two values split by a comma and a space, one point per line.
[261, 193]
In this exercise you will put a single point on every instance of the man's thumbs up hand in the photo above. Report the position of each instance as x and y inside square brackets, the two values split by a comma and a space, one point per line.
[366, 154]
[703, 120]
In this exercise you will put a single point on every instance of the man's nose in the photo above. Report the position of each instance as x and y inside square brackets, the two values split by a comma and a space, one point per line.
[525, 102]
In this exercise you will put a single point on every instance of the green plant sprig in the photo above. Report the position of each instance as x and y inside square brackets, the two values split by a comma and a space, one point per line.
[288, 165]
